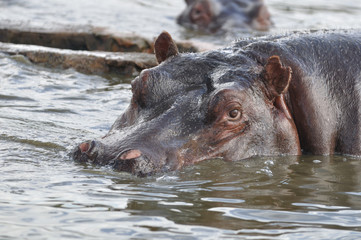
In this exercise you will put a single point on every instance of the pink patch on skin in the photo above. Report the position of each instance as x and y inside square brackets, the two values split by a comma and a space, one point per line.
[84, 147]
[131, 154]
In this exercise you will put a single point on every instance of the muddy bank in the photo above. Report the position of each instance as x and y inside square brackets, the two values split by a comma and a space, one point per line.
[86, 38]
[87, 49]
[75, 38]
[100, 63]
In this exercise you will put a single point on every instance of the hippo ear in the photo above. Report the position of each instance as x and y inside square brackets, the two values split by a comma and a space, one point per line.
[164, 47]
[277, 77]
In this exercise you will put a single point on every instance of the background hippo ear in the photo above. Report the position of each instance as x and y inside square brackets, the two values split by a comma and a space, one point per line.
[165, 47]
[277, 76]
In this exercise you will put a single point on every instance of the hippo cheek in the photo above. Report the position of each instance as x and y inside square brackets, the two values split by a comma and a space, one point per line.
[195, 151]
[214, 142]
[201, 148]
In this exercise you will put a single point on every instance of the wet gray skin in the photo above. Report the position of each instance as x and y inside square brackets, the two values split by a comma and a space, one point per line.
[260, 97]
[190, 108]
[211, 16]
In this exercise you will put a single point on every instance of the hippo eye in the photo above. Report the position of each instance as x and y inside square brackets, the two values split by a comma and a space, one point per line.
[234, 114]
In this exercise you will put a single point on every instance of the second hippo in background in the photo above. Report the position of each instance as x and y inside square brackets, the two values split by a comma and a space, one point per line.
[212, 16]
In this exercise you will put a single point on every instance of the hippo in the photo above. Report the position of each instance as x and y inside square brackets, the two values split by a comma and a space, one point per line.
[211, 16]
[269, 96]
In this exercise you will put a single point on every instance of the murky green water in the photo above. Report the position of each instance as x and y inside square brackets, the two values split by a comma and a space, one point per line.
[45, 112]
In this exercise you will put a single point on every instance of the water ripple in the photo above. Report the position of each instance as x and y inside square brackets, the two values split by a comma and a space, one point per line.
[343, 218]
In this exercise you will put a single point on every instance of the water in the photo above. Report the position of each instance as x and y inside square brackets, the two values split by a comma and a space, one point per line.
[45, 112]
[150, 17]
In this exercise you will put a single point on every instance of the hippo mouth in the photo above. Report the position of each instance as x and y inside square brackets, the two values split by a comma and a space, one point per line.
[140, 166]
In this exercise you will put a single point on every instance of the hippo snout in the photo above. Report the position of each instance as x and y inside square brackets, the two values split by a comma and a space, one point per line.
[133, 161]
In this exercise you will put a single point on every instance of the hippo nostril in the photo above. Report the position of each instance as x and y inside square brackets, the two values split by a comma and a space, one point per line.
[87, 151]
[86, 147]
[130, 154]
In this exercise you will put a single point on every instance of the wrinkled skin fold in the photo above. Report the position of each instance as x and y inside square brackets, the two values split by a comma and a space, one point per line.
[260, 97]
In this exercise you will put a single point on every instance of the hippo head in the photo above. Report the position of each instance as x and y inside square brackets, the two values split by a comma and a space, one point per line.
[194, 107]
[212, 15]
